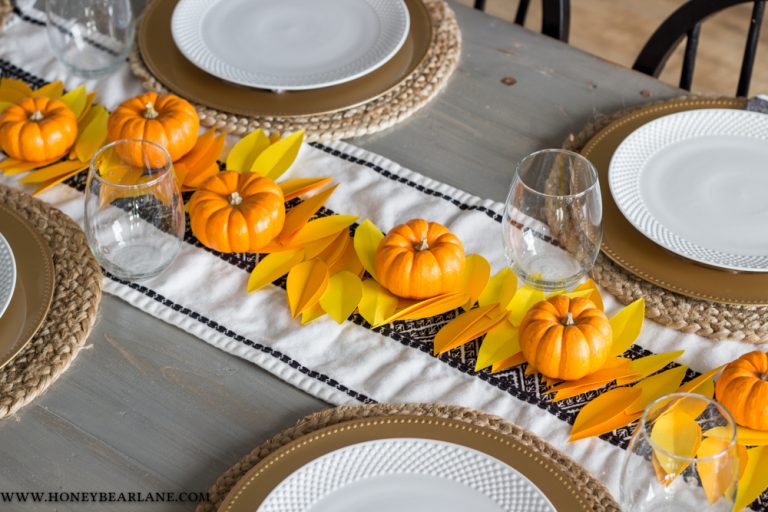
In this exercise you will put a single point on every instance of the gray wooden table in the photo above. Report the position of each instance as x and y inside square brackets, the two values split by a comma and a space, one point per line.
[148, 407]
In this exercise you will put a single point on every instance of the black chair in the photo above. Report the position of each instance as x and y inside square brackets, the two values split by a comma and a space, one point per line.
[555, 19]
[686, 22]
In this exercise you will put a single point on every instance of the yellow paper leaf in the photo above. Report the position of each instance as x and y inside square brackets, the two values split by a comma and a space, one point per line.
[201, 162]
[648, 365]
[334, 251]
[744, 436]
[466, 327]
[315, 248]
[55, 181]
[13, 90]
[278, 157]
[11, 166]
[508, 363]
[522, 302]
[500, 289]
[676, 435]
[476, 275]
[243, 154]
[754, 481]
[342, 295]
[719, 474]
[76, 100]
[348, 261]
[54, 171]
[594, 295]
[367, 239]
[311, 314]
[626, 326]
[52, 90]
[300, 214]
[93, 136]
[300, 186]
[656, 386]
[321, 228]
[428, 307]
[305, 285]
[603, 413]
[376, 304]
[89, 99]
[501, 343]
[273, 267]
[615, 368]
[694, 385]
[4, 105]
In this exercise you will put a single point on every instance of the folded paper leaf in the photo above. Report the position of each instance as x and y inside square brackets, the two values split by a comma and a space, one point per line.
[648, 365]
[243, 154]
[466, 327]
[11, 166]
[52, 90]
[93, 135]
[500, 289]
[508, 363]
[410, 310]
[300, 214]
[311, 314]
[13, 90]
[76, 100]
[376, 304]
[348, 261]
[626, 325]
[334, 251]
[42, 187]
[278, 157]
[744, 436]
[677, 437]
[718, 474]
[522, 302]
[615, 368]
[321, 228]
[604, 414]
[655, 387]
[476, 274]
[299, 186]
[273, 267]
[705, 379]
[306, 283]
[500, 343]
[342, 295]
[315, 248]
[202, 161]
[367, 239]
[594, 295]
[754, 481]
[54, 171]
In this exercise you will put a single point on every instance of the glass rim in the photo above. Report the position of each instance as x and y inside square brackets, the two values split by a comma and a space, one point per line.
[710, 401]
[167, 167]
[590, 166]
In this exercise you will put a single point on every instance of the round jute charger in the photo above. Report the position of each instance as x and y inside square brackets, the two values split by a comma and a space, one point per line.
[73, 310]
[593, 491]
[709, 319]
[402, 101]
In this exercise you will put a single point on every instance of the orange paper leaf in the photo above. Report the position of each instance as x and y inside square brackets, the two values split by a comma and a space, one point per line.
[300, 214]
[676, 434]
[648, 365]
[428, 307]
[604, 414]
[273, 267]
[508, 363]
[54, 171]
[744, 436]
[306, 283]
[476, 275]
[321, 228]
[11, 166]
[501, 343]
[719, 474]
[299, 186]
[466, 327]
[657, 386]
[594, 295]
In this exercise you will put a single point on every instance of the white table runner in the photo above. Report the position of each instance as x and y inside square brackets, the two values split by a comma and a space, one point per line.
[204, 293]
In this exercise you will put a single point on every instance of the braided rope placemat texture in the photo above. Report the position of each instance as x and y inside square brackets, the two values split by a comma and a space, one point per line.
[415, 91]
[76, 298]
[709, 319]
[594, 492]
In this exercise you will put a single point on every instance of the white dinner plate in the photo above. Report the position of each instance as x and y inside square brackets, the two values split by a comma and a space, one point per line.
[289, 44]
[7, 274]
[406, 475]
[696, 183]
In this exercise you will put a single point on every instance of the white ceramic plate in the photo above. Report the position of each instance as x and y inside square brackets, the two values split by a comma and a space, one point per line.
[7, 274]
[289, 44]
[406, 475]
[696, 183]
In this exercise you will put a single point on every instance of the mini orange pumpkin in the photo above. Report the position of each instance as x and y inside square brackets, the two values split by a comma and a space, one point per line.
[420, 259]
[237, 212]
[164, 119]
[743, 389]
[37, 129]
[565, 338]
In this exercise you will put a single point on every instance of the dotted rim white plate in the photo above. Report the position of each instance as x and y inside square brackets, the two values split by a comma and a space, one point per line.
[406, 474]
[7, 274]
[290, 44]
[694, 183]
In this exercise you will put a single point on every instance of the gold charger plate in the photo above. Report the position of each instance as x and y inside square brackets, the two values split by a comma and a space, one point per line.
[33, 293]
[540, 468]
[632, 251]
[173, 70]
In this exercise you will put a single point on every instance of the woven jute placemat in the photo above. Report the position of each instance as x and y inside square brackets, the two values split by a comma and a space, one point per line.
[415, 91]
[73, 310]
[709, 319]
[593, 491]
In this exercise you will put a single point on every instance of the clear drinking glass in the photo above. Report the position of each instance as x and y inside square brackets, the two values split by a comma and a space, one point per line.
[553, 219]
[91, 37]
[134, 214]
[675, 462]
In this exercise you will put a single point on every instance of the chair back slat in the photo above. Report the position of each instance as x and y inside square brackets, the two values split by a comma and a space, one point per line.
[556, 16]
[689, 60]
[748, 62]
[522, 12]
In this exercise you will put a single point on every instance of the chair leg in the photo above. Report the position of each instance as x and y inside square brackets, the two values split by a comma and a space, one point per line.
[556, 19]
[480, 4]
[750, 50]
[522, 12]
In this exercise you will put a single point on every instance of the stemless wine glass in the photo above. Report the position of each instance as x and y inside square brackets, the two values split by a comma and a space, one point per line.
[134, 216]
[682, 457]
[553, 225]
[91, 37]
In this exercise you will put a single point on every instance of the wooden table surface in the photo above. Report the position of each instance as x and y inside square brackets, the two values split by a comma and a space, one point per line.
[147, 407]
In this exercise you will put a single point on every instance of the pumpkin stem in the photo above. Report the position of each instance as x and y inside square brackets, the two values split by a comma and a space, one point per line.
[235, 199]
[150, 112]
[764, 377]
[568, 319]
[36, 116]
[423, 245]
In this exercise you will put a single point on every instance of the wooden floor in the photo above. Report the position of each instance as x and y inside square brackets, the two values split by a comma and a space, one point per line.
[616, 30]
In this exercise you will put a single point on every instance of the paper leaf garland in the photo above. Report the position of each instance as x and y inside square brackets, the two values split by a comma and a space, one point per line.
[306, 283]
[342, 295]
[626, 326]
[273, 267]
[367, 239]
[376, 304]
[476, 275]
